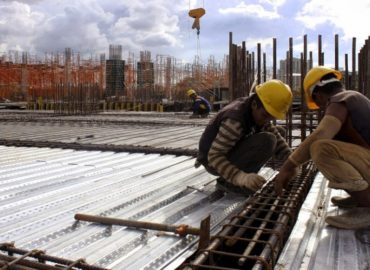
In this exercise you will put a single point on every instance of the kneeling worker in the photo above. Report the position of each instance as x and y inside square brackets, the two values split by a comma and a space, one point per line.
[240, 139]
[200, 107]
[339, 146]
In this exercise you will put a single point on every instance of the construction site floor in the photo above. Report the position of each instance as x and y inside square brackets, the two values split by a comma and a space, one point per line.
[136, 166]
[315, 245]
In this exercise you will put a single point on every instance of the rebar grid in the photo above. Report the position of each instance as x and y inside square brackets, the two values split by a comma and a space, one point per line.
[37, 260]
[254, 238]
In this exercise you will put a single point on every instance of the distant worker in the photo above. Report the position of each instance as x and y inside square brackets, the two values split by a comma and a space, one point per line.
[339, 146]
[240, 139]
[200, 107]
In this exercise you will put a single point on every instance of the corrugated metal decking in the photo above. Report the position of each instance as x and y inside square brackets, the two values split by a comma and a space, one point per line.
[314, 245]
[41, 189]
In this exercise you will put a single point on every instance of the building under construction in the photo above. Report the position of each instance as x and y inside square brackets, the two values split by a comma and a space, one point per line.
[56, 78]
[118, 189]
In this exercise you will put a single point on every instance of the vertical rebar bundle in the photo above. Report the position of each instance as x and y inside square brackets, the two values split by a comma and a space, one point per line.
[243, 75]
[80, 99]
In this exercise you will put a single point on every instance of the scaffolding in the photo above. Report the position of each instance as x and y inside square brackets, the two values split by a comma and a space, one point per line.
[25, 77]
[30, 78]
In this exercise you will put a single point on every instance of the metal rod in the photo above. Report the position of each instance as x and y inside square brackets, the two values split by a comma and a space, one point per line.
[248, 222]
[74, 264]
[284, 219]
[18, 259]
[281, 214]
[25, 264]
[257, 234]
[9, 247]
[182, 229]
[203, 256]
[336, 51]
[353, 77]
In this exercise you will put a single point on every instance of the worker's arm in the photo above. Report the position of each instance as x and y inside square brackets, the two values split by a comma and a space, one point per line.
[196, 105]
[228, 136]
[230, 132]
[207, 104]
[328, 127]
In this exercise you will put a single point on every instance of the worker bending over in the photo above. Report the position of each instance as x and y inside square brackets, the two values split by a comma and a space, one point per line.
[339, 146]
[200, 107]
[240, 139]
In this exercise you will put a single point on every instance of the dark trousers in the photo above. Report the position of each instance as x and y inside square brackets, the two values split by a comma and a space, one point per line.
[202, 111]
[251, 153]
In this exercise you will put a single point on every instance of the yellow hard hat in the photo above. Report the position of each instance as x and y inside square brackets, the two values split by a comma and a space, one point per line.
[312, 79]
[191, 92]
[276, 97]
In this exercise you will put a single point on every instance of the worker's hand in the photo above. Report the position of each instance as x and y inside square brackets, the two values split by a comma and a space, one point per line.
[251, 181]
[282, 179]
[280, 182]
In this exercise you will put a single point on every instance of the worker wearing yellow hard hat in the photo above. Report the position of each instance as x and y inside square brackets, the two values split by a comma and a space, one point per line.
[313, 79]
[339, 146]
[200, 107]
[240, 139]
[276, 98]
[191, 92]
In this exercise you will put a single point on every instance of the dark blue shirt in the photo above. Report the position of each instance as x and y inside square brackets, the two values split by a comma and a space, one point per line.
[201, 105]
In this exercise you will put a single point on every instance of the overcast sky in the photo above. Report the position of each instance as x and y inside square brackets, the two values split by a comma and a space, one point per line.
[164, 27]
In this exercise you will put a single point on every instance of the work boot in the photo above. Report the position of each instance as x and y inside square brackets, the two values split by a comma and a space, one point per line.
[356, 218]
[225, 186]
[344, 202]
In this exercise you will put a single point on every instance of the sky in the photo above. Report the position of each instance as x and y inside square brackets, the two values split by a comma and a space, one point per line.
[164, 27]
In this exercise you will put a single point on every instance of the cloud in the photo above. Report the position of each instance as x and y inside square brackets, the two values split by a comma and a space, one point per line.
[69, 27]
[266, 43]
[164, 27]
[274, 3]
[89, 25]
[149, 26]
[17, 25]
[29, 2]
[346, 17]
[253, 10]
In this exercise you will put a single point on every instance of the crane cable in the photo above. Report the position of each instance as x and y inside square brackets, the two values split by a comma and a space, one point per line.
[199, 51]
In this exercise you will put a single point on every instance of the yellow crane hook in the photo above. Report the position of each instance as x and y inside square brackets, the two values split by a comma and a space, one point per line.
[196, 14]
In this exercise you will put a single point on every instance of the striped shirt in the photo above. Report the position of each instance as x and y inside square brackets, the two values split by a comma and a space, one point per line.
[229, 134]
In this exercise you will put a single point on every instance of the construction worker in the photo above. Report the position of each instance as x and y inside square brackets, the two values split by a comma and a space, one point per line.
[201, 107]
[240, 139]
[339, 146]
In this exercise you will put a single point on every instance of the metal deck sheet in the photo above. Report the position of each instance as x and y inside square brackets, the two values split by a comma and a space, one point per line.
[154, 130]
[41, 190]
[112, 117]
[315, 245]
[179, 137]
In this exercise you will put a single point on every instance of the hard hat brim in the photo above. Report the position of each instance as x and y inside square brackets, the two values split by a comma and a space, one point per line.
[274, 113]
[310, 103]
